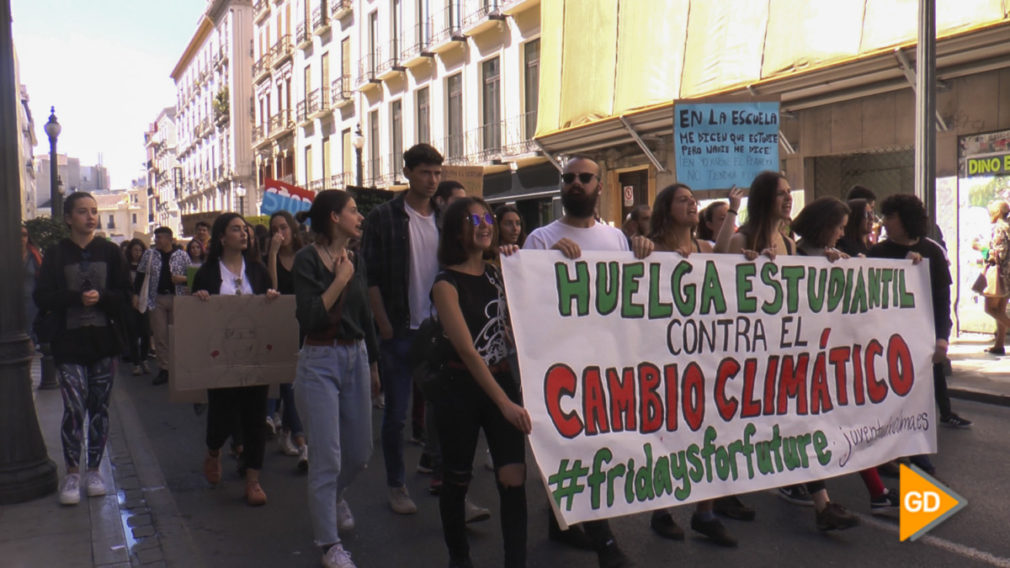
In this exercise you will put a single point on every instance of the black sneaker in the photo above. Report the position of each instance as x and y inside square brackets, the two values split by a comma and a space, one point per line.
[611, 556]
[955, 421]
[664, 525]
[161, 379]
[574, 537]
[797, 495]
[425, 464]
[835, 517]
[713, 529]
[732, 508]
[886, 504]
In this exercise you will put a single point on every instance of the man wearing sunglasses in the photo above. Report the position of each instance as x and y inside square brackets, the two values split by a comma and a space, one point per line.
[575, 231]
[163, 270]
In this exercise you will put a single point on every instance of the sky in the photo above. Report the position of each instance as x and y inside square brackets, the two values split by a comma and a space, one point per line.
[104, 65]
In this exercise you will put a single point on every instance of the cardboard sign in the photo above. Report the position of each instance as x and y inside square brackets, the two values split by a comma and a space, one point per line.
[719, 145]
[668, 380]
[472, 178]
[233, 341]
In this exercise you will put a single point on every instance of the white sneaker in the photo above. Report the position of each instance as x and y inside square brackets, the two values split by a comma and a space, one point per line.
[286, 446]
[345, 520]
[337, 557]
[70, 492]
[303, 458]
[95, 485]
[476, 513]
[271, 427]
[400, 501]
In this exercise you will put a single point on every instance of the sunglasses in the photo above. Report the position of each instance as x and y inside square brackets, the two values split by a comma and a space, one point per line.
[238, 286]
[569, 178]
[476, 219]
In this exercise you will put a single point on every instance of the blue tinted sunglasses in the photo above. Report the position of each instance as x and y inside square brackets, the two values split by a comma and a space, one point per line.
[476, 219]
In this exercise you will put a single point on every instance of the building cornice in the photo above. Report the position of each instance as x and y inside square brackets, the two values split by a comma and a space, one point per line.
[203, 30]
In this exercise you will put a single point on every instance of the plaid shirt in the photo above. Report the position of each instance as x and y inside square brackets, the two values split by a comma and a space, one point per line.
[385, 248]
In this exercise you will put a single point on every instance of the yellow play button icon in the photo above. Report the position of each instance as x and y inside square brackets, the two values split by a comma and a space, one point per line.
[925, 503]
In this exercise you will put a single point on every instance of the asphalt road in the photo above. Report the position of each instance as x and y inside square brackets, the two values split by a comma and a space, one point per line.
[216, 528]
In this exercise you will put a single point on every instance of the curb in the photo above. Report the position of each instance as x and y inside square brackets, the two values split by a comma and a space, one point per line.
[979, 396]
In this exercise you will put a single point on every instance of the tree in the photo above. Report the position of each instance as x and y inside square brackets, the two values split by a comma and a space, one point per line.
[46, 231]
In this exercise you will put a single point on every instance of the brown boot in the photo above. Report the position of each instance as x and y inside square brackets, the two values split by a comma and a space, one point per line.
[212, 467]
[254, 494]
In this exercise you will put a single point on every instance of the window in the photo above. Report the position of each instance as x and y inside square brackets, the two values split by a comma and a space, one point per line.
[373, 144]
[454, 116]
[396, 126]
[347, 148]
[491, 98]
[326, 160]
[112, 222]
[325, 85]
[134, 218]
[345, 64]
[531, 87]
[308, 164]
[373, 38]
[423, 117]
[397, 23]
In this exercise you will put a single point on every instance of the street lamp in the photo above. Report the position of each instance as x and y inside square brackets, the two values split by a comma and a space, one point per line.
[53, 130]
[240, 193]
[359, 142]
[26, 472]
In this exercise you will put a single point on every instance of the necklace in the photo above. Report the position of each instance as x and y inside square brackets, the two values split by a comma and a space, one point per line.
[329, 256]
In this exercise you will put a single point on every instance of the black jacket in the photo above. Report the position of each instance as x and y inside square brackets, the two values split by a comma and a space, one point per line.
[208, 277]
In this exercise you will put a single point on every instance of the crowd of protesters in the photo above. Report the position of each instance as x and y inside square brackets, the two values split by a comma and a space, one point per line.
[368, 292]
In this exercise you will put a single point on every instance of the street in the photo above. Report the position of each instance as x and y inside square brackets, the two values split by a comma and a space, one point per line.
[204, 526]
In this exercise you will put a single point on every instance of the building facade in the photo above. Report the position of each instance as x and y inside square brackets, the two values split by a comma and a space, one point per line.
[72, 177]
[122, 213]
[26, 156]
[164, 175]
[213, 97]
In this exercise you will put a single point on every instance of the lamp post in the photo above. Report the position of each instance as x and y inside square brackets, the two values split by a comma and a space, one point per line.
[240, 193]
[53, 130]
[26, 472]
[359, 142]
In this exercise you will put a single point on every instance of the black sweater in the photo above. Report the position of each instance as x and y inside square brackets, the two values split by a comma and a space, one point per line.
[939, 276]
[87, 334]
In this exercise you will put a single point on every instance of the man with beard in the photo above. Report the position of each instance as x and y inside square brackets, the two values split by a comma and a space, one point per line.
[575, 231]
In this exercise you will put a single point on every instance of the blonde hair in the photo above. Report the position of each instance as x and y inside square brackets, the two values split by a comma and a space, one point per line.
[998, 209]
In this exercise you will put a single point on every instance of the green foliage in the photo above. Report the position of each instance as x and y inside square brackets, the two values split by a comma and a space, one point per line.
[368, 199]
[46, 231]
[220, 104]
[980, 194]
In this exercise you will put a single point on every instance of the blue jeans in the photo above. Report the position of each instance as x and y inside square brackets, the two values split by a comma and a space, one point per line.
[397, 384]
[333, 393]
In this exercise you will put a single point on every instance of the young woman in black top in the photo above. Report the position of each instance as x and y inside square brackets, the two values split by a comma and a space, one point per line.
[477, 391]
[228, 271]
[138, 324]
[284, 243]
[337, 367]
[856, 240]
[83, 281]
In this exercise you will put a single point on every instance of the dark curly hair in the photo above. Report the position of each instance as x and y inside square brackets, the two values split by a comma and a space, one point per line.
[910, 211]
[818, 220]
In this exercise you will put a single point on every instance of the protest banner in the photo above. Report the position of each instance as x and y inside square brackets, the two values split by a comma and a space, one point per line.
[719, 145]
[280, 196]
[233, 341]
[657, 382]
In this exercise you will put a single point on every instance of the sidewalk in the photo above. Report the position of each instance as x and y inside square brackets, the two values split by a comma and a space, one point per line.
[978, 375]
[116, 530]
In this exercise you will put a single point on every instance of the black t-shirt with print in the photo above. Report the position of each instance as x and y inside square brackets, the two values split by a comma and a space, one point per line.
[482, 301]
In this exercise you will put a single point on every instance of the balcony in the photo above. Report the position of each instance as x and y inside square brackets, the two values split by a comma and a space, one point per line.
[308, 108]
[261, 8]
[516, 6]
[341, 180]
[484, 143]
[340, 92]
[317, 185]
[282, 50]
[452, 148]
[481, 15]
[261, 69]
[323, 107]
[340, 8]
[519, 131]
[387, 59]
[320, 19]
[447, 29]
[259, 134]
[303, 35]
[366, 72]
[416, 48]
[280, 124]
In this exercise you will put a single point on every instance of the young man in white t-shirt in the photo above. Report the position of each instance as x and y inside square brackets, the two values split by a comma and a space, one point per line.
[575, 231]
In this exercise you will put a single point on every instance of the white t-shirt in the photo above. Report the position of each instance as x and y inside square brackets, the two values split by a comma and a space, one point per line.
[232, 284]
[423, 264]
[597, 237]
